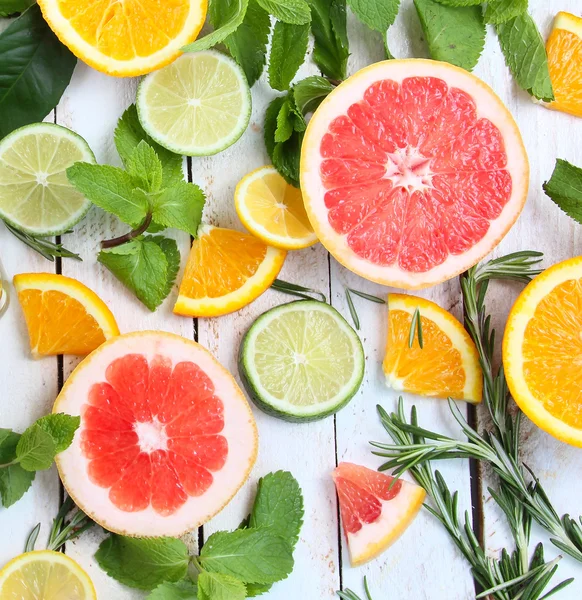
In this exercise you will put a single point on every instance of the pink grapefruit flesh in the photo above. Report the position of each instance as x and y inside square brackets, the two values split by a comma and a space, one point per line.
[375, 509]
[166, 436]
[412, 171]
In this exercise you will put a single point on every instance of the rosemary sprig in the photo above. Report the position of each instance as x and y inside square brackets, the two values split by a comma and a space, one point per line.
[352, 307]
[292, 289]
[350, 595]
[416, 329]
[44, 247]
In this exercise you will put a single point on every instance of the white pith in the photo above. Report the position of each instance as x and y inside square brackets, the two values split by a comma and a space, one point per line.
[408, 168]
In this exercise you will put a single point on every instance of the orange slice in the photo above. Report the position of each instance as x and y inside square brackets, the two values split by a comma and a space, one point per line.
[226, 270]
[126, 38]
[564, 50]
[63, 316]
[542, 351]
[447, 366]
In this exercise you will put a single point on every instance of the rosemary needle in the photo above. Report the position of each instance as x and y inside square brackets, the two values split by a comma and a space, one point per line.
[416, 329]
[293, 289]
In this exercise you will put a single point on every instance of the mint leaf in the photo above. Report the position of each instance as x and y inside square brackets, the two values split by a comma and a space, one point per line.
[8, 442]
[129, 133]
[36, 449]
[180, 207]
[310, 92]
[216, 586]
[145, 168]
[376, 14]
[294, 12]
[288, 49]
[231, 22]
[143, 563]
[250, 555]
[461, 2]
[172, 254]
[499, 11]
[61, 428]
[331, 48]
[14, 483]
[525, 55]
[111, 189]
[181, 590]
[565, 188]
[454, 35]
[11, 7]
[284, 123]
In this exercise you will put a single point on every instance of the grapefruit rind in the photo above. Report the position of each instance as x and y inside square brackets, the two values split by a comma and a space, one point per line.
[239, 429]
[513, 361]
[489, 106]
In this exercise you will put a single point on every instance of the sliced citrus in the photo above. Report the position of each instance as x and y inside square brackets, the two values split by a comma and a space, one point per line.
[375, 510]
[273, 210]
[35, 194]
[447, 366]
[412, 171]
[125, 38]
[63, 316]
[226, 270]
[564, 50]
[45, 575]
[542, 351]
[166, 436]
[199, 105]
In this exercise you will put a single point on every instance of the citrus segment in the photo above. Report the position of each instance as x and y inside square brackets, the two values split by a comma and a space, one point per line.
[63, 316]
[448, 363]
[375, 509]
[411, 171]
[166, 436]
[226, 270]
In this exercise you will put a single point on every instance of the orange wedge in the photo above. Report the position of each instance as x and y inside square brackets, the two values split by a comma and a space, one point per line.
[564, 50]
[226, 270]
[126, 38]
[63, 316]
[542, 351]
[447, 366]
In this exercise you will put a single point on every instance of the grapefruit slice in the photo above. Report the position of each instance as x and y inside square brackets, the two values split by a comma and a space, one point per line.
[166, 436]
[412, 171]
[375, 511]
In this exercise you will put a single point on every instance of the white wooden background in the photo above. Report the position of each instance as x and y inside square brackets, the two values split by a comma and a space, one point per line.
[423, 564]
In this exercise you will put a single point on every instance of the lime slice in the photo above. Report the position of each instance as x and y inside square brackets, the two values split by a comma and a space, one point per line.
[301, 361]
[35, 194]
[198, 105]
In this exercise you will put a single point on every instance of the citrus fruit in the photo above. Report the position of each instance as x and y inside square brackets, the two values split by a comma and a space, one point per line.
[564, 50]
[447, 366]
[45, 575]
[35, 194]
[542, 351]
[166, 436]
[301, 361]
[125, 38]
[375, 510]
[412, 171]
[273, 210]
[199, 105]
[226, 270]
[63, 316]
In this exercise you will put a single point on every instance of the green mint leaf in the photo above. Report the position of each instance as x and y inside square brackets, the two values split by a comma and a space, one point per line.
[8, 442]
[231, 23]
[565, 188]
[170, 249]
[284, 123]
[216, 586]
[111, 189]
[294, 12]
[376, 14]
[36, 449]
[145, 168]
[34, 71]
[279, 505]
[461, 2]
[331, 48]
[270, 126]
[14, 483]
[310, 92]
[454, 35]
[181, 590]
[12, 7]
[129, 133]
[525, 55]
[500, 11]
[250, 555]
[288, 50]
[179, 207]
[61, 428]
[143, 563]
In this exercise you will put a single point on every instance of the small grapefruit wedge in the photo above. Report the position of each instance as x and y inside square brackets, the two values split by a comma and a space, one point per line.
[374, 510]
[412, 171]
[166, 436]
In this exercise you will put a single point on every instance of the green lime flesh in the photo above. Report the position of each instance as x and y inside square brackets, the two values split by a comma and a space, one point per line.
[199, 105]
[35, 194]
[301, 361]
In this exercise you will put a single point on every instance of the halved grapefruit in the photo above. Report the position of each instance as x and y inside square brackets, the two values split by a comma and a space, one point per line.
[166, 436]
[412, 171]
[375, 510]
